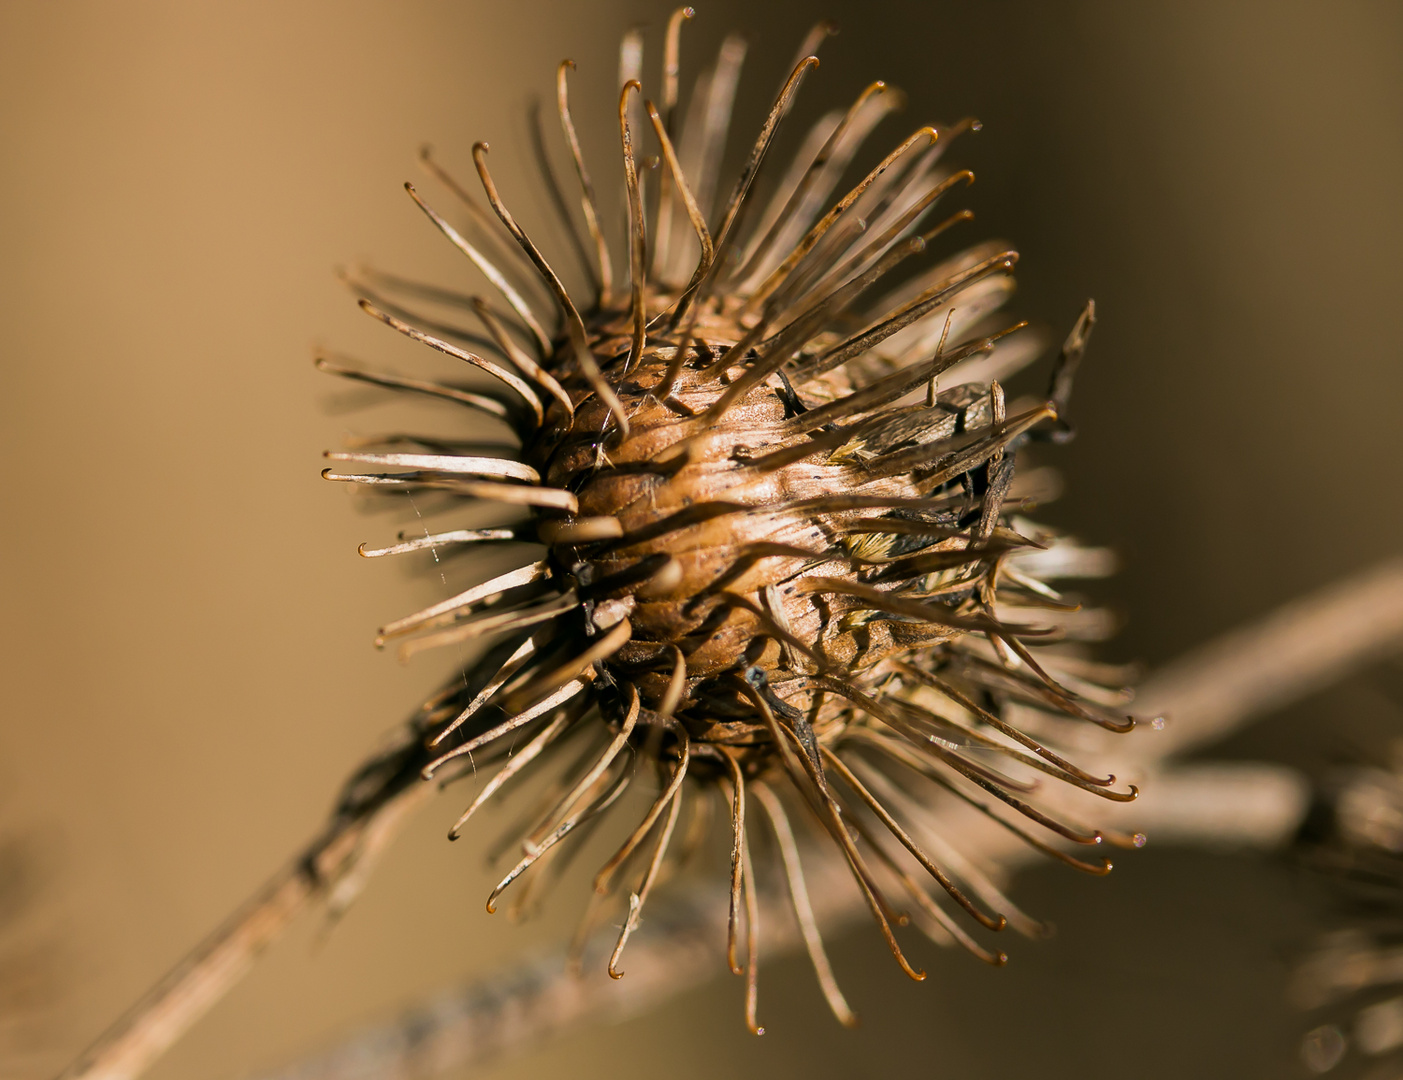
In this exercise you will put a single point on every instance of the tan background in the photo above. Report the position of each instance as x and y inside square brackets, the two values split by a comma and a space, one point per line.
[187, 667]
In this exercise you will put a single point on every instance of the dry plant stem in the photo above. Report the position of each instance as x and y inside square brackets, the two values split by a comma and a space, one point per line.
[1300, 647]
[180, 999]
[1223, 804]
[683, 945]
[349, 844]
[491, 1017]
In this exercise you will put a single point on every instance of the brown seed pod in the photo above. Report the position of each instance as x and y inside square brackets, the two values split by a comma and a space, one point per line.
[775, 499]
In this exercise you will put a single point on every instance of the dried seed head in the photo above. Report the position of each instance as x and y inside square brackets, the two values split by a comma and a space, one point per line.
[776, 501]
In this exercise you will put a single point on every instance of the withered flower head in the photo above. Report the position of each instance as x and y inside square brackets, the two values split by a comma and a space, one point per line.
[774, 495]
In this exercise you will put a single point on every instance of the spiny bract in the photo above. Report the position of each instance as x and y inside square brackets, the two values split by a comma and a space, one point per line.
[774, 497]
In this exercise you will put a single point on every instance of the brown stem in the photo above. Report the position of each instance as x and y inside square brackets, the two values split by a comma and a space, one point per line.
[1302, 646]
[371, 811]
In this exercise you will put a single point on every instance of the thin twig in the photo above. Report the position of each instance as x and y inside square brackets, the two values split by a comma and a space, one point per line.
[1296, 649]
[374, 803]
[683, 944]
[1222, 804]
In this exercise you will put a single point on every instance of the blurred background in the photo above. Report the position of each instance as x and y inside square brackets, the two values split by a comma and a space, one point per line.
[187, 662]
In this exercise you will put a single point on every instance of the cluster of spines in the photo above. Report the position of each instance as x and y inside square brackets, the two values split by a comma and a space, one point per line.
[775, 314]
